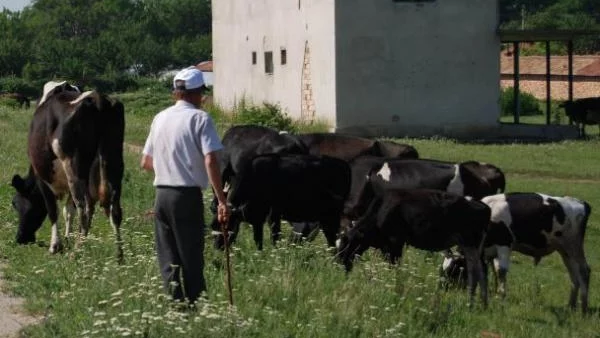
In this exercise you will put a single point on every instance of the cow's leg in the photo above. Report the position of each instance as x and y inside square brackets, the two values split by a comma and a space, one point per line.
[69, 213]
[501, 265]
[330, 230]
[475, 274]
[579, 272]
[257, 231]
[275, 225]
[116, 216]
[52, 207]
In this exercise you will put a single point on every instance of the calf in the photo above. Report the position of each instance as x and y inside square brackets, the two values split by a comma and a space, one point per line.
[426, 219]
[71, 131]
[292, 187]
[583, 111]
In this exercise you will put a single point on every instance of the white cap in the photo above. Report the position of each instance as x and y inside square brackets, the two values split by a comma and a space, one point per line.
[191, 76]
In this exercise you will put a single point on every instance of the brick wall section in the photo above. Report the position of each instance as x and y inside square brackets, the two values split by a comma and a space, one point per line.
[308, 104]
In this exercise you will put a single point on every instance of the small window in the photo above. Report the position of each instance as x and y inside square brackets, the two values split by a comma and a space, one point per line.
[283, 56]
[253, 58]
[269, 62]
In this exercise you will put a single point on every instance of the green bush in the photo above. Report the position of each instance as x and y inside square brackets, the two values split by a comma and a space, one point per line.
[528, 103]
[268, 115]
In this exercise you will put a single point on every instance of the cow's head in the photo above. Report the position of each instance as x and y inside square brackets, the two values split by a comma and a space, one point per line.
[482, 179]
[453, 271]
[30, 206]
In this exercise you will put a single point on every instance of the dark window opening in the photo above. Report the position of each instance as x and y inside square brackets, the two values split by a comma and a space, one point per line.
[269, 62]
[283, 56]
[253, 58]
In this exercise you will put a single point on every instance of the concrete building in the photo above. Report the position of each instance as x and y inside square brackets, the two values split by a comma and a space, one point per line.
[368, 67]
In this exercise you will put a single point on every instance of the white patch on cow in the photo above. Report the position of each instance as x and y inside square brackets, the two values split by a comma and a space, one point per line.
[55, 239]
[502, 260]
[56, 148]
[90, 93]
[500, 209]
[385, 172]
[69, 214]
[283, 132]
[447, 262]
[574, 210]
[48, 88]
[226, 187]
[456, 185]
[337, 243]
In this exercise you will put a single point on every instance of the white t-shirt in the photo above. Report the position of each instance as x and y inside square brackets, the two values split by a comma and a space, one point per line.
[179, 138]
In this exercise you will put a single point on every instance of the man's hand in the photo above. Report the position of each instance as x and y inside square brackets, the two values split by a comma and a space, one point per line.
[223, 213]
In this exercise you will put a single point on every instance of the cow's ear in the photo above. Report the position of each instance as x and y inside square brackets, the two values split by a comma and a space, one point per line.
[18, 183]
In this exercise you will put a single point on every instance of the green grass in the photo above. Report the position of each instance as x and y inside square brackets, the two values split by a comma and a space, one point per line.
[291, 291]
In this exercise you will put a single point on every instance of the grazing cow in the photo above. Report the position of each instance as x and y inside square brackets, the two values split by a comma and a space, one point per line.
[75, 147]
[583, 111]
[369, 174]
[423, 218]
[292, 187]
[241, 144]
[21, 99]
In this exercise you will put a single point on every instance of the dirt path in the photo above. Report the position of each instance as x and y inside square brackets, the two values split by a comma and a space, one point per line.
[12, 317]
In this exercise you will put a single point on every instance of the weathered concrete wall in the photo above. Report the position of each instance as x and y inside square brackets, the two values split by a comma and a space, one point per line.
[417, 69]
[305, 86]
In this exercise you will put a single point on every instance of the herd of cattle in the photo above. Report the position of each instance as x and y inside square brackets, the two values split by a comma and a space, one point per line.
[359, 192]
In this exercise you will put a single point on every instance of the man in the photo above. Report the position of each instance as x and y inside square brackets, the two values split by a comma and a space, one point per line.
[181, 149]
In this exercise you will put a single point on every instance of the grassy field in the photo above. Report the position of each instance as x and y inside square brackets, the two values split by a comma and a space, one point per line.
[291, 291]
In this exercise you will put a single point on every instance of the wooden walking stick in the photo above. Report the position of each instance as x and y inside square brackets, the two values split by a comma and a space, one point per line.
[227, 263]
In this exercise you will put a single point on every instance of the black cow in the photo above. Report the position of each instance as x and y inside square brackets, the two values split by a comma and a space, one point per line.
[583, 111]
[423, 218]
[537, 225]
[75, 147]
[347, 147]
[241, 144]
[370, 174]
[21, 99]
[292, 187]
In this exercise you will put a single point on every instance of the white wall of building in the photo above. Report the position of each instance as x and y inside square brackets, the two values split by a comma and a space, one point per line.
[241, 27]
[417, 68]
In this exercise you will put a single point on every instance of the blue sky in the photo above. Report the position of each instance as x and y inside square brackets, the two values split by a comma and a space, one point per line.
[14, 5]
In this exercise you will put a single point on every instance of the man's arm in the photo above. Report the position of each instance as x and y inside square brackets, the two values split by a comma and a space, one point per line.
[214, 175]
[211, 162]
[146, 163]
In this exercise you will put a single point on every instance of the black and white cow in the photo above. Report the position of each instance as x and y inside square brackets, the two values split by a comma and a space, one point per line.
[537, 225]
[75, 147]
[241, 144]
[371, 174]
[291, 187]
[423, 218]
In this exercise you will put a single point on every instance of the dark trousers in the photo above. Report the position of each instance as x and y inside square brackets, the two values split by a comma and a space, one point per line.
[179, 236]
